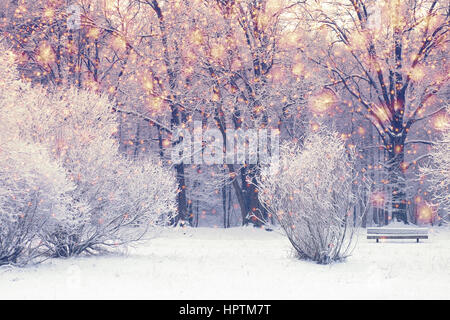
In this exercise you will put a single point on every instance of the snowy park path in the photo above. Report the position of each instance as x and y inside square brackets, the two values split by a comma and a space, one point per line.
[239, 263]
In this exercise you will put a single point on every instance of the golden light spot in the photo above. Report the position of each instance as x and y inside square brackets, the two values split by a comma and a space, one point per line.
[217, 52]
[322, 102]
[93, 33]
[425, 213]
[297, 69]
[45, 54]
[236, 65]
[188, 71]
[166, 143]
[361, 131]
[147, 83]
[417, 73]
[197, 37]
[119, 43]
[155, 103]
[315, 126]
[109, 5]
[441, 122]
[215, 97]
[49, 13]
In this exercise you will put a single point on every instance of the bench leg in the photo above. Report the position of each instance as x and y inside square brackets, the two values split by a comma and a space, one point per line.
[417, 240]
[377, 240]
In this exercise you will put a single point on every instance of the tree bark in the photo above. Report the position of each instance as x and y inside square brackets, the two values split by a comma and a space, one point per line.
[397, 180]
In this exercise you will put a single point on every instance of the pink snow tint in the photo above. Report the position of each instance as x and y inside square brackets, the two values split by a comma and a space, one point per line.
[239, 263]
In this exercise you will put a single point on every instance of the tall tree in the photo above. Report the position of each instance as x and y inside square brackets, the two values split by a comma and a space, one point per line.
[390, 58]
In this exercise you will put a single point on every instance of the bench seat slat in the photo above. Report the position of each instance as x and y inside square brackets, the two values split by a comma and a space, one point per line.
[397, 231]
[393, 236]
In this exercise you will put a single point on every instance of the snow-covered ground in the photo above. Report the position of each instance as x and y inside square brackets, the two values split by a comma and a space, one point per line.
[239, 263]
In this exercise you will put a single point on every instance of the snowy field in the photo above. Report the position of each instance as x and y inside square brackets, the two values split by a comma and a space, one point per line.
[239, 263]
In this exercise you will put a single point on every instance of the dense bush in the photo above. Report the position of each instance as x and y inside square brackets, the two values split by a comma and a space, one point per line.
[312, 191]
[33, 189]
[124, 202]
[64, 184]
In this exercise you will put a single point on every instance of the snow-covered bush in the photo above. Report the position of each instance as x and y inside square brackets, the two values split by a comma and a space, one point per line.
[313, 192]
[33, 188]
[113, 200]
[115, 207]
[438, 173]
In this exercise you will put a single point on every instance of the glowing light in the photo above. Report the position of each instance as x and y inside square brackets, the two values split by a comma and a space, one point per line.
[49, 13]
[93, 33]
[315, 126]
[417, 74]
[404, 165]
[425, 213]
[361, 131]
[297, 69]
[441, 122]
[322, 102]
[197, 37]
[119, 43]
[45, 54]
[217, 52]
[398, 149]
[147, 84]
[215, 97]
[166, 143]
[358, 40]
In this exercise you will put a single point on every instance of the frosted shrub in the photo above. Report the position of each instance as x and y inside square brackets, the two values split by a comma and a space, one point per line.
[437, 170]
[112, 200]
[32, 189]
[126, 200]
[313, 193]
[33, 186]
[115, 200]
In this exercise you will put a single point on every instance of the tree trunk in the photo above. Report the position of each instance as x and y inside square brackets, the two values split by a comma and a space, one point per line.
[254, 207]
[181, 197]
[397, 181]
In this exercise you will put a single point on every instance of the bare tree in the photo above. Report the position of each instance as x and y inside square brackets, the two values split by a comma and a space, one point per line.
[387, 57]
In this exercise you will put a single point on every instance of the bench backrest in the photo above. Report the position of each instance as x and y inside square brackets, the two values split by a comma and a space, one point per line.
[381, 230]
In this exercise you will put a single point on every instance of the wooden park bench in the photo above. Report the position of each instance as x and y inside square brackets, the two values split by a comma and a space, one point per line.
[397, 233]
